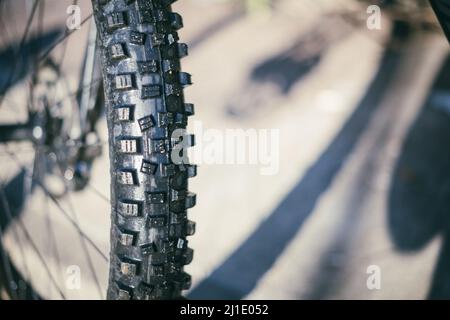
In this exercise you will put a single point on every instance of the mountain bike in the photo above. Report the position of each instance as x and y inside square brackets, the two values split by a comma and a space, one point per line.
[131, 73]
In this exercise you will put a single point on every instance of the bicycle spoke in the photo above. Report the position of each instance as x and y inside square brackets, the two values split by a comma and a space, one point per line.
[64, 49]
[99, 193]
[21, 43]
[58, 65]
[41, 14]
[34, 246]
[18, 239]
[6, 37]
[83, 240]
[63, 211]
[85, 249]
[48, 221]
[41, 258]
[63, 53]
[66, 208]
[7, 268]
[64, 37]
[40, 29]
[52, 239]
[80, 89]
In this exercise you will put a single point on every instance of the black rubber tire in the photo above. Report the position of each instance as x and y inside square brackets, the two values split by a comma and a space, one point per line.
[143, 84]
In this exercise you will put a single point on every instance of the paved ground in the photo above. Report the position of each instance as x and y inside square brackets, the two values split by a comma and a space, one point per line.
[363, 163]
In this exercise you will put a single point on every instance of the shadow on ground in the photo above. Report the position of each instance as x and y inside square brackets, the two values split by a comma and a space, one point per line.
[13, 194]
[420, 190]
[12, 200]
[240, 272]
[275, 77]
[18, 59]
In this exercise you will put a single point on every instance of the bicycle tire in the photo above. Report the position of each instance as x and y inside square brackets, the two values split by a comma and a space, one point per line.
[140, 57]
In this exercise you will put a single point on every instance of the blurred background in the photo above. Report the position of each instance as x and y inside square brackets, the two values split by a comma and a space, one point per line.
[359, 208]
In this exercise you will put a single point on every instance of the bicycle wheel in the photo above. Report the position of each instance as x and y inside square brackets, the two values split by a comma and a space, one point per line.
[139, 57]
[145, 106]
